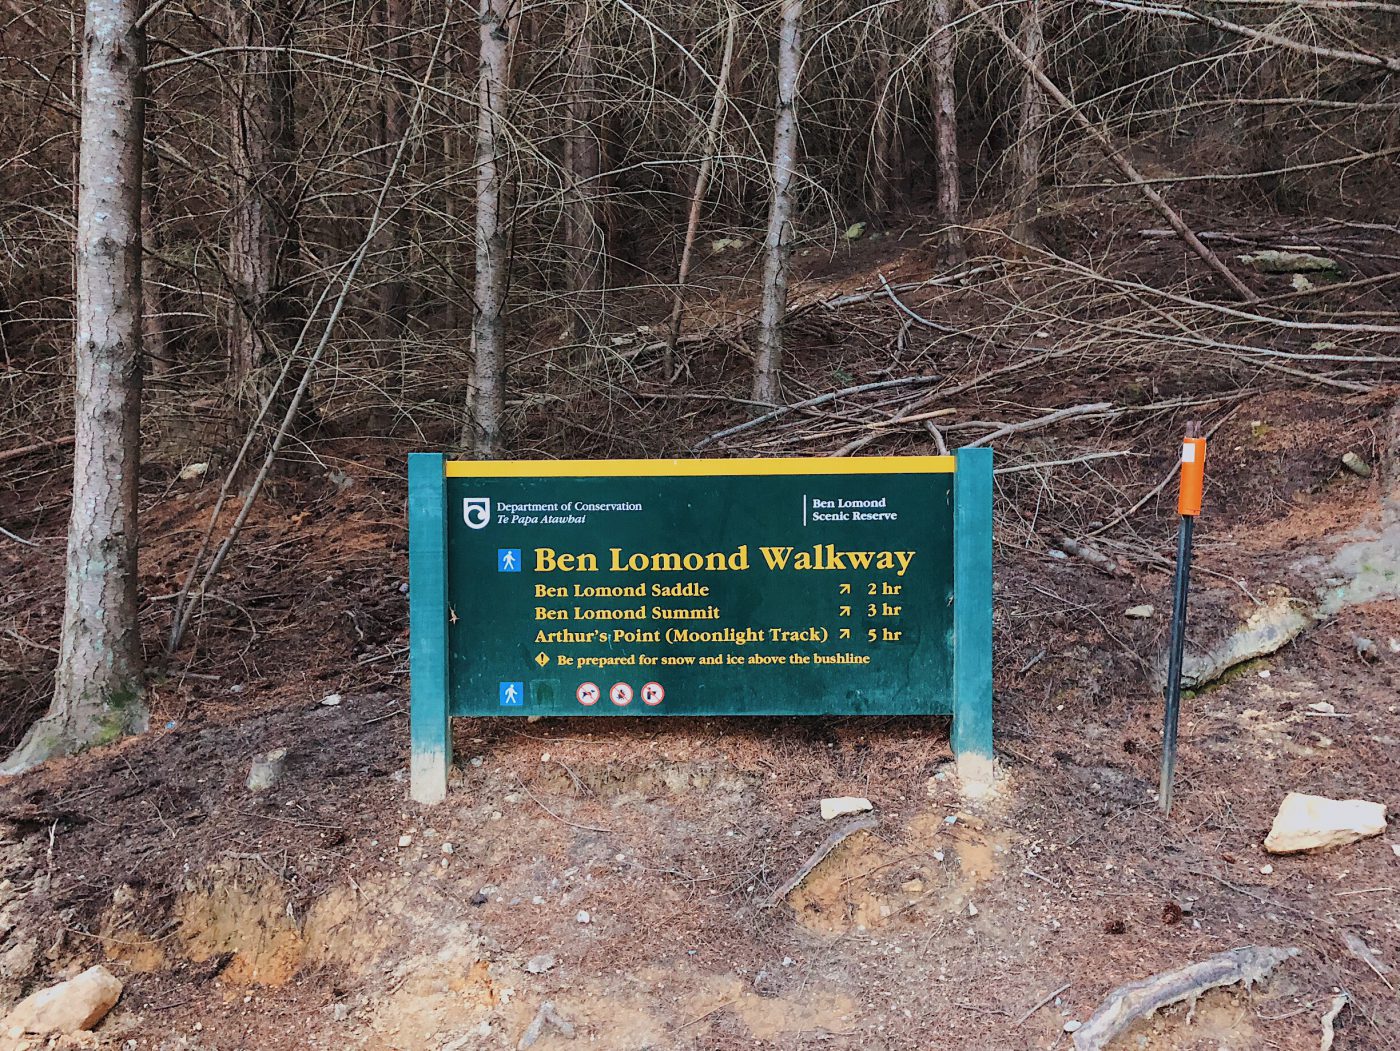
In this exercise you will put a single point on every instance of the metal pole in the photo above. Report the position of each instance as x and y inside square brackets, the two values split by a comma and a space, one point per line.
[1178, 645]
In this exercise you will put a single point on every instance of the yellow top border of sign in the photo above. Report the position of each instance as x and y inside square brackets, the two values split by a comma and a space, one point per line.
[700, 468]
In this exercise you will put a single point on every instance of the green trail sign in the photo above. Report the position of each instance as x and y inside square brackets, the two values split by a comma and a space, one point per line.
[852, 586]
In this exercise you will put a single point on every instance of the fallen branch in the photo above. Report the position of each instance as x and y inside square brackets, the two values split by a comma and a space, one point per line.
[1040, 1003]
[1091, 409]
[860, 824]
[911, 313]
[1136, 1000]
[37, 447]
[17, 538]
[941, 393]
[1096, 558]
[1046, 464]
[820, 399]
[853, 298]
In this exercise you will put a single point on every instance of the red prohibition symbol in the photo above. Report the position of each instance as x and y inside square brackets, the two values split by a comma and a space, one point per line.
[653, 693]
[588, 694]
[620, 694]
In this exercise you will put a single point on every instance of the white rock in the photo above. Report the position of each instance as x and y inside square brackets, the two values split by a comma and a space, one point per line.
[1267, 870]
[971, 909]
[1141, 612]
[583, 916]
[840, 806]
[331, 700]
[1073, 1026]
[69, 1007]
[1395, 849]
[1307, 822]
[541, 963]
[190, 472]
[1325, 707]
[406, 840]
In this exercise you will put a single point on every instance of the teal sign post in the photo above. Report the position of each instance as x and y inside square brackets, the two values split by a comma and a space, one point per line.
[607, 588]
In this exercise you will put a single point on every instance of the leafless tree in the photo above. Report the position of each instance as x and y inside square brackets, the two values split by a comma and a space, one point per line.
[487, 395]
[777, 246]
[99, 693]
[946, 162]
[263, 235]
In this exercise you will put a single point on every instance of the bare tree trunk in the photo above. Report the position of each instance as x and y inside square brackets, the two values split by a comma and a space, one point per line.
[585, 230]
[697, 196]
[948, 199]
[154, 343]
[487, 393]
[768, 361]
[98, 692]
[393, 290]
[264, 241]
[886, 162]
[1030, 131]
[457, 69]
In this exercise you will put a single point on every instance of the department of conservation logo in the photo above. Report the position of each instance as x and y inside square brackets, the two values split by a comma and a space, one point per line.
[476, 511]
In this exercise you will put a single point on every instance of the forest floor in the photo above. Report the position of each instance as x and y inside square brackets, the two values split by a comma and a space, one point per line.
[622, 871]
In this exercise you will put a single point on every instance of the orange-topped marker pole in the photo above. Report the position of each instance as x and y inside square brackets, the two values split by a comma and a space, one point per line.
[1188, 506]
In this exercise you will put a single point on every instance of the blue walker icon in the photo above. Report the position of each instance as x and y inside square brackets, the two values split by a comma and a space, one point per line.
[508, 560]
[512, 695]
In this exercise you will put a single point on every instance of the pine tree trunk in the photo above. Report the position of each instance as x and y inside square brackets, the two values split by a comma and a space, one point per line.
[585, 231]
[948, 196]
[456, 159]
[697, 196]
[885, 160]
[1030, 137]
[389, 251]
[768, 361]
[98, 692]
[487, 394]
[154, 342]
[264, 241]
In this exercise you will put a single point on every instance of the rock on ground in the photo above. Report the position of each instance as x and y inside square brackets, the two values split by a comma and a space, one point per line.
[1307, 822]
[266, 770]
[69, 1007]
[840, 806]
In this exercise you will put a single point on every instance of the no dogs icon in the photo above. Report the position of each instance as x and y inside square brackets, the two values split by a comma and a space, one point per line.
[588, 694]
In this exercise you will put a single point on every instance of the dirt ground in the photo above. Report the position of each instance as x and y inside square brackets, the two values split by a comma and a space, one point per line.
[624, 871]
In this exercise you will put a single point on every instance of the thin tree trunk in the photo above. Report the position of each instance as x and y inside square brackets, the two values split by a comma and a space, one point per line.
[487, 393]
[98, 692]
[1030, 131]
[264, 241]
[456, 70]
[768, 361]
[697, 196]
[948, 195]
[154, 342]
[884, 125]
[585, 232]
[393, 290]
